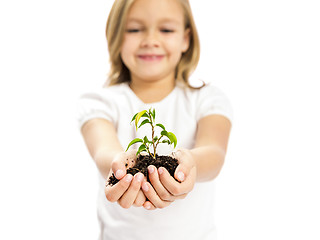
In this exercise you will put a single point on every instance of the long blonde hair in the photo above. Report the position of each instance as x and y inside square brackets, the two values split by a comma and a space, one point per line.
[115, 29]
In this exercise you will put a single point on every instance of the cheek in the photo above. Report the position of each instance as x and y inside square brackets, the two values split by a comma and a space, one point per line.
[128, 44]
[175, 45]
[124, 46]
[126, 50]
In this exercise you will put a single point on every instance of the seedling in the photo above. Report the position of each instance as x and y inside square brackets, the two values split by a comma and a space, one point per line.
[145, 144]
[150, 146]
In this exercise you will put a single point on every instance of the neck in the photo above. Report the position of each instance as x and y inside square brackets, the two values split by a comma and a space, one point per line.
[152, 91]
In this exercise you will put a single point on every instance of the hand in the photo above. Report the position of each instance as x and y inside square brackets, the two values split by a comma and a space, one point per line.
[164, 189]
[127, 191]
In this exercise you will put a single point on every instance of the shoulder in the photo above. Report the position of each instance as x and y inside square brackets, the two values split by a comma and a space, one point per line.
[208, 100]
[105, 93]
[209, 90]
[100, 103]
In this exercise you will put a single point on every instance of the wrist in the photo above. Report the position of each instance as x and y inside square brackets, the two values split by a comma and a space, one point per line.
[103, 159]
[209, 161]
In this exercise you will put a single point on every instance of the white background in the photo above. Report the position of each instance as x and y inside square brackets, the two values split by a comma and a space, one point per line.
[264, 55]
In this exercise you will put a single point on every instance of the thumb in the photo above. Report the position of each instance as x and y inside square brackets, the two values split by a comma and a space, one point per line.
[122, 161]
[184, 159]
[118, 166]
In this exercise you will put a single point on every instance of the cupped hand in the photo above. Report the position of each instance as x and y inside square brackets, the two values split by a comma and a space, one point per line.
[127, 191]
[121, 162]
[164, 189]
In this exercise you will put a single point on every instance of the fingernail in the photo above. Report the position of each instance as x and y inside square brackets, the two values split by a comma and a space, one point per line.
[119, 174]
[128, 178]
[160, 170]
[145, 187]
[147, 206]
[181, 176]
[139, 177]
[151, 169]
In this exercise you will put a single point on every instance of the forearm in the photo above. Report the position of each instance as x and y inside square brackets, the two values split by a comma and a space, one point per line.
[209, 161]
[102, 142]
[103, 158]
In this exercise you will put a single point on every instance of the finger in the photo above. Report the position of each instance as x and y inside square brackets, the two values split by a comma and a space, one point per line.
[157, 185]
[128, 198]
[174, 187]
[182, 196]
[131, 157]
[149, 206]
[169, 182]
[122, 161]
[140, 200]
[113, 193]
[118, 166]
[167, 196]
[151, 194]
[184, 166]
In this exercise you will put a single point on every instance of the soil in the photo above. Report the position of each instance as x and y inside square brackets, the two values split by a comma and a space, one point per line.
[143, 161]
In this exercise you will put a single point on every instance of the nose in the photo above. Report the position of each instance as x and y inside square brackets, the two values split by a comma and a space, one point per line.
[150, 39]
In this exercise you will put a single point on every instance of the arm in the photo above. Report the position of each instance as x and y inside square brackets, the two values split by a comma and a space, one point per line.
[211, 146]
[104, 147]
[202, 163]
[102, 142]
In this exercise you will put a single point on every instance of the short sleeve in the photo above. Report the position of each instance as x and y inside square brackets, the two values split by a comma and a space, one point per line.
[95, 105]
[212, 100]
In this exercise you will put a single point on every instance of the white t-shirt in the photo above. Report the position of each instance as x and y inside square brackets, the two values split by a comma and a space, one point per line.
[191, 218]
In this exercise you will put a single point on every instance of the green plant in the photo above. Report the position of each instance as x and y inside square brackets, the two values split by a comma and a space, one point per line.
[149, 118]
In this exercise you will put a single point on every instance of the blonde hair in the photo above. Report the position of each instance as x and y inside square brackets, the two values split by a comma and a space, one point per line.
[115, 29]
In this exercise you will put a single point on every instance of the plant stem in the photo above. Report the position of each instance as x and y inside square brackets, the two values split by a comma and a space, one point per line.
[150, 153]
[154, 147]
[158, 141]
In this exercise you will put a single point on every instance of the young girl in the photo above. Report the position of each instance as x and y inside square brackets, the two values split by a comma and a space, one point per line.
[153, 46]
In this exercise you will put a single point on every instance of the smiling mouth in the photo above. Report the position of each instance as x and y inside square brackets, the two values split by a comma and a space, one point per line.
[151, 58]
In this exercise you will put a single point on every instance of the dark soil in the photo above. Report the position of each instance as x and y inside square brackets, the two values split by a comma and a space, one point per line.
[143, 161]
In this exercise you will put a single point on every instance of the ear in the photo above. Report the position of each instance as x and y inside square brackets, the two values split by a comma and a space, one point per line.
[186, 40]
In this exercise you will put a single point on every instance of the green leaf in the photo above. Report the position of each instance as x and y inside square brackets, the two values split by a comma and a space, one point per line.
[160, 125]
[145, 115]
[164, 133]
[144, 122]
[155, 138]
[142, 148]
[172, 138]
[166, 141]
[146, 140]
[133, 142]
[134, 117]
[153, 113]
[139, 115]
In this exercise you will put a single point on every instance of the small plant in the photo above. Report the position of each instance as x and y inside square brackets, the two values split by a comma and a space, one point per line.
[146, 144]
[143, 161]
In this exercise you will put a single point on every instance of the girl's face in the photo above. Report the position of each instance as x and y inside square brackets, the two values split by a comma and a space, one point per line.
[154, 40]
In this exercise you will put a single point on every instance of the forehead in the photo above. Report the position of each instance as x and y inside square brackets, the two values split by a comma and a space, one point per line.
[149, 11]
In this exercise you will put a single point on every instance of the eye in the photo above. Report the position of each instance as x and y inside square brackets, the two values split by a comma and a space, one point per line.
[166, 30]
[133, 30]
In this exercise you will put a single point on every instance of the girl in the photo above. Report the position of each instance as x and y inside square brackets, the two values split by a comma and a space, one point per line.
[153, 47]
